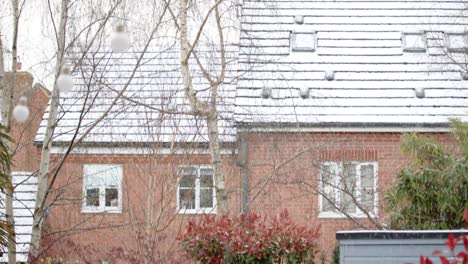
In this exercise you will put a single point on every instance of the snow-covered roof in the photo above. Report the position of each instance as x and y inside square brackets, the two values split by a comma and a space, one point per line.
[151, 109]
[376, 73]
[314, 63]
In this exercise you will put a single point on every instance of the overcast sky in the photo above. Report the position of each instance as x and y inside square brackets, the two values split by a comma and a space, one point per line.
[37, 43]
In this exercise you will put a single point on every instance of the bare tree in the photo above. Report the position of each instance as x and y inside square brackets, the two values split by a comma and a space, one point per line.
[48, 174]
[7, 109]
[45, 156]
[201, 106]
[207, 108]
[65, 40]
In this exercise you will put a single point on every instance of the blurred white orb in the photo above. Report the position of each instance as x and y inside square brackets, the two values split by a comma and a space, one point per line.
[65, 82]
[21, 111]
[120, 41]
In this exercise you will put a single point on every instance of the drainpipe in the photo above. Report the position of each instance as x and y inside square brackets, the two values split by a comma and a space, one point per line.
[244, 171]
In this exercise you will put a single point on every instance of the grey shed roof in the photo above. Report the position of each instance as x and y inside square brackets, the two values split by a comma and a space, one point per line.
[361, 44]
[149, 110]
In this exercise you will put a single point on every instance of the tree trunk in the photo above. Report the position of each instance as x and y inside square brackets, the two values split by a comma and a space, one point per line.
[4, 100]
[7, 109]
[149, 220]
[215, 151]
[209, 112]
[11, 222]
[47, 143]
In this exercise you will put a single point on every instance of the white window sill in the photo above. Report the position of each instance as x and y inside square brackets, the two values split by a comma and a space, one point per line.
[196, 211]
[89, 210]
[343, 216]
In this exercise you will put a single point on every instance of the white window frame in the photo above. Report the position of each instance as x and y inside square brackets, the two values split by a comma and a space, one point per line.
[407, 48]
[197, 188]
[102, 208]
[452, 49]
[338, 165]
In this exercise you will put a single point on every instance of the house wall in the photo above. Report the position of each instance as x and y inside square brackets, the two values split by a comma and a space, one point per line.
[120, 237]
[283, 173]
[290, 163]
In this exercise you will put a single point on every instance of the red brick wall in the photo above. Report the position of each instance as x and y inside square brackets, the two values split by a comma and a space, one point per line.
[96, 235]
[26, 155]
[289, 162]
[283, 170]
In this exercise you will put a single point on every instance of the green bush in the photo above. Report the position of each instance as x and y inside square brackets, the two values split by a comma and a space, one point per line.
[336, 254]
[429, 193]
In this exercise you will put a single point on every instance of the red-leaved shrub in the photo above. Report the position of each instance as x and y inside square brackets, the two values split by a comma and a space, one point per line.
[250, 239]
[461, 257]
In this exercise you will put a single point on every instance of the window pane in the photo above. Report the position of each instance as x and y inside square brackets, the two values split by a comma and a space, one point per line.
[112, 197]
[112, 175]
[367, 176]
[349, 175]
[92, 197]
[187, 171]
[348, 179]
[101, 175]
[186, 199]
[206, 171]
[367, 199]
[367, 187]
[188, 181]
[95, 179]
[206, 181]
[348, 183]
[206, 198]
[328, 188]
[328, 204]
[328, 175]
[347, 203]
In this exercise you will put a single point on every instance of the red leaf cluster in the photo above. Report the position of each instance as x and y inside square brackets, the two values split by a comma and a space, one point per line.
[249, 239]
[461, 257]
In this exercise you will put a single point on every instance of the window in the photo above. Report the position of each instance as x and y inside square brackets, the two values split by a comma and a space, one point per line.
[456, 42]
[102, 188]
[196, 192]
[346, 187]
[414, 42]
[301, 41]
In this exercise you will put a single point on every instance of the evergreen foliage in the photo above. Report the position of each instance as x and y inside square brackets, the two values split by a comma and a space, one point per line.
[432, 191]
[5, 183]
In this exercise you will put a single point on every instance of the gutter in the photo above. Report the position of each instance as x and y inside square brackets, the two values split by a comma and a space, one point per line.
[244, 171]
[342, 127]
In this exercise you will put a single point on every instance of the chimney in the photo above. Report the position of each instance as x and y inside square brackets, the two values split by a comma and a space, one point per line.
[27, 156]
